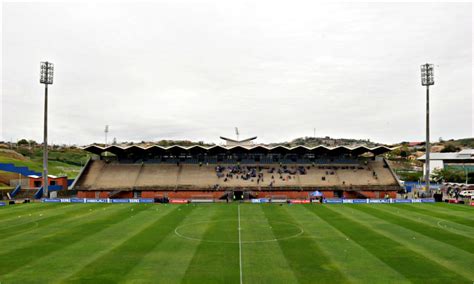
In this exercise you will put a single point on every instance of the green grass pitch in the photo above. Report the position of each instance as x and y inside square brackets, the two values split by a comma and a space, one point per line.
[157, 243]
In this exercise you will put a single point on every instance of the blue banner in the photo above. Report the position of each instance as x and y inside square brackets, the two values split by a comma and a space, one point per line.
[133, 200]
[51, 200]
[375, 201]
[61, 200]
[401, 200]
[55, 187]
[428, 200]
[99, 200]
[2, 204]
[333, 201]
[355, 201]
[119, 200]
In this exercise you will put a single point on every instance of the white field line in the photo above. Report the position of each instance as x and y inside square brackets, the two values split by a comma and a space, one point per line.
[240, 245]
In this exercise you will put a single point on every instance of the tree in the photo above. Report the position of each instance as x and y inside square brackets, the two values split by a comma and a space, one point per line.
[450, 147]
[448, 175]
[22, 142]
[403, 154]
[410, 175]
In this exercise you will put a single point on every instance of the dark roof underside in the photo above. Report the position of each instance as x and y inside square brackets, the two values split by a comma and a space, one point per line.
[216, 150]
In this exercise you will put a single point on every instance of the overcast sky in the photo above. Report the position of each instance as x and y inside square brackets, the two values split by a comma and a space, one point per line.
[181, 70]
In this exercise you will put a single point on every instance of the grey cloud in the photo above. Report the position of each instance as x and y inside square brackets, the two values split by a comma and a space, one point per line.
[177, 70]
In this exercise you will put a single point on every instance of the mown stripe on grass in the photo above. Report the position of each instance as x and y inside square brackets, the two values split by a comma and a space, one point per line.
[446, 255]
[305, 258]
[217, 262]
[434, 212]
[91, 247]
[112, 266]
[13, 211]
[458, 225]
[37, 230]
[407, 262]
[168, 261]
[421, 226]
[452, 207]
[23, 206]
[35, 220]
[262, 262]
[350, 258]
[70, 233]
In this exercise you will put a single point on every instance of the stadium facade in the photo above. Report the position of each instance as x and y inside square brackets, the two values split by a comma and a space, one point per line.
[242, 171]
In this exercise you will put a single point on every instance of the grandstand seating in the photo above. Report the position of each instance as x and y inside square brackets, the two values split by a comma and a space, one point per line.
[91, 173]
[153, 175]
[117, 174]
[25, 171]
[128, 176]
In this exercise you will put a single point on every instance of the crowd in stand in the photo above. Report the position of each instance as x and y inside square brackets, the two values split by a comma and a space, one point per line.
[238, 172]
[282, 172]
[256, 173]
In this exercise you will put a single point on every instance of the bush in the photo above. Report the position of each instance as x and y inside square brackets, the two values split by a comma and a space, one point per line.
[410, 176]
[450, 148]
[448, 175]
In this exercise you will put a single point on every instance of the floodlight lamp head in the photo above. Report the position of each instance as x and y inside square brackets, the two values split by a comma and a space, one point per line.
[46, 73]
[427, 74]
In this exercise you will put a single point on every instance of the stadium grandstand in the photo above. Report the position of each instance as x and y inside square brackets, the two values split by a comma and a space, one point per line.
[241, 171]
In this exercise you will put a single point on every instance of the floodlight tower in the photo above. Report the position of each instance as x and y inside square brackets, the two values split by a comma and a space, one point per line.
[106, 131]
[46, 78]
[427, 79]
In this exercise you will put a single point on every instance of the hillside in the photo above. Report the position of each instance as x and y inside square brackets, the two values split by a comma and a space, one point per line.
[65, 161]
[461, 143]
[327, 141]
[69, 159]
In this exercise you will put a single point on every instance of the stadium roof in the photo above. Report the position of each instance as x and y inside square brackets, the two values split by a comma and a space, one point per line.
[217, 149]
[238, 141]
